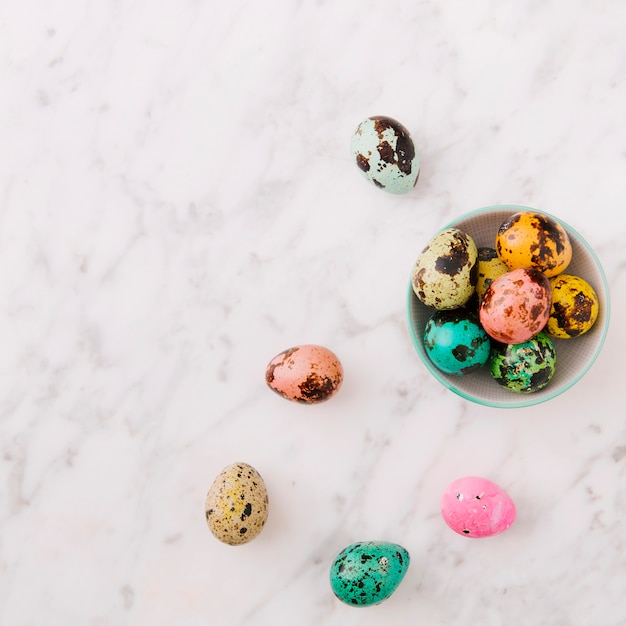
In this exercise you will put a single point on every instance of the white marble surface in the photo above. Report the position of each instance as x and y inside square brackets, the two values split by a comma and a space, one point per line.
[178, 204]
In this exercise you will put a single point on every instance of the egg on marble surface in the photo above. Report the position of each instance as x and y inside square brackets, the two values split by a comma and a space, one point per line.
[384, 151]
[533, 239]
[308, 374]
[237, 504]
[524, 367]
[473, 506]
[575, 307]
[455, 342]
[490, 266]
[516, 305]
[368, 572]
[445, 273]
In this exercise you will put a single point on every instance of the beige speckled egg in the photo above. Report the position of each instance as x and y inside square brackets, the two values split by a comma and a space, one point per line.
[236, 505]
[445, 273]
[308, 374]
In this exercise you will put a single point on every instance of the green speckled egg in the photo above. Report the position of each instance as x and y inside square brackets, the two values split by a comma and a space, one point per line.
[236, 505]
[384, 151]
[368, 572]
[523, 367]
[444, 275]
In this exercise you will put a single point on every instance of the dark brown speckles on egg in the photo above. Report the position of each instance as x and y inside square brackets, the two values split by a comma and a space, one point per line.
[363, 162]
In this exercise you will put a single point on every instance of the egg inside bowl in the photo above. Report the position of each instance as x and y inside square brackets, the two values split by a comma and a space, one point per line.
[574, 356]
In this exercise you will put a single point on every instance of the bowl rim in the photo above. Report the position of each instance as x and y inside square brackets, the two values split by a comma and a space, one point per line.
[522, 400]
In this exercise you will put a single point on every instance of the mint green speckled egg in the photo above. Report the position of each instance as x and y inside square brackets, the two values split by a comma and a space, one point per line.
[384, 151]
[368, 572]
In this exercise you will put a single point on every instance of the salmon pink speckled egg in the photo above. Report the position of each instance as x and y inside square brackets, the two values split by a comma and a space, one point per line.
[532, 239]
[476, 507]
[308, 374]
[516, 306]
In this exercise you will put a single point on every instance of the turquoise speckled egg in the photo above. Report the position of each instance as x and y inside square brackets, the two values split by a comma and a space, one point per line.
[385, 153]
[368, 572]
[455, 342]
[524, 367]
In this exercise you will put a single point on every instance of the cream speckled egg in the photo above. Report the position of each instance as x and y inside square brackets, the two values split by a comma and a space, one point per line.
[236, 505]
[308, 374]
[445, 273]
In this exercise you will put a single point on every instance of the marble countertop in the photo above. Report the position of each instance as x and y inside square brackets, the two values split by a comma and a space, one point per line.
[178, 204]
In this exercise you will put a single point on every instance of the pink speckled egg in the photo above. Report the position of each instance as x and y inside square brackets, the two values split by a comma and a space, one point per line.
[476, 507]
[516, 306]
[309, 374]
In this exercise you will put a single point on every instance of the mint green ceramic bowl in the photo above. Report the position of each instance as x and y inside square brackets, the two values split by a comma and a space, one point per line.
[574, 356]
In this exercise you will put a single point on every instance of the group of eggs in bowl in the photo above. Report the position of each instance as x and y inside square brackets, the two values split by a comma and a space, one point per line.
[570, 355]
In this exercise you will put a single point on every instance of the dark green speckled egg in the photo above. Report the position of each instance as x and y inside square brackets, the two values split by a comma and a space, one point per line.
[368, 572]
[524, 367]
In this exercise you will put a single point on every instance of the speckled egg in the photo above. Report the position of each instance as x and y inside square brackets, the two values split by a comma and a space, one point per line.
[532, 239]
[490, 266]
[236, 505]
[385, 153]
[575, 307]
[516, 305]
[476, 507]
[455, 342]
[524, 367]
[444, 276]
[368, 572]
[308, 374]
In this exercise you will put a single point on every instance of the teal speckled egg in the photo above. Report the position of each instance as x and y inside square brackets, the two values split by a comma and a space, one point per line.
[524, 367]
[368, 572]
[385, 153]
[455, 342]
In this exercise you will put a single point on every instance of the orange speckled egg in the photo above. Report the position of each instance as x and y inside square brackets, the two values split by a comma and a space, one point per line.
[308, 374]
[532, 239]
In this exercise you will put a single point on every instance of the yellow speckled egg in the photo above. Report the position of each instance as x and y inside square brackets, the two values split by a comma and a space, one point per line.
[444, 276]
[532, 239]
[236, 505]
[490, 266]
[574, 309]
[308, 374]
